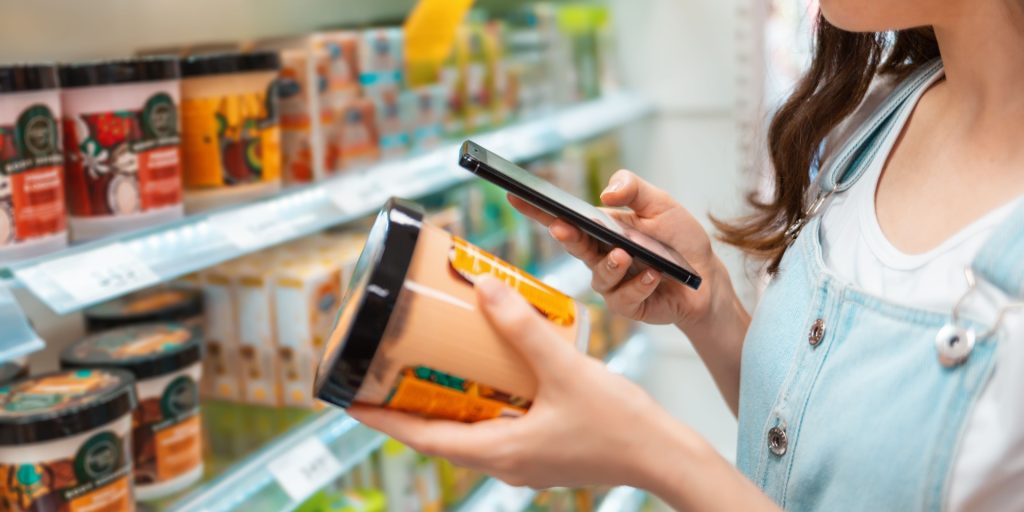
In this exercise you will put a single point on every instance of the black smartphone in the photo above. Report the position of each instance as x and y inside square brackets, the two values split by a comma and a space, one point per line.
[577, 212]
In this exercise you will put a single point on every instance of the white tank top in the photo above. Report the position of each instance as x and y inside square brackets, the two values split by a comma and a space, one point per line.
[988, 471]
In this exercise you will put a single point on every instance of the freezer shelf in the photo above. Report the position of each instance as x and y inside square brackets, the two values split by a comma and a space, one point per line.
[87, 274]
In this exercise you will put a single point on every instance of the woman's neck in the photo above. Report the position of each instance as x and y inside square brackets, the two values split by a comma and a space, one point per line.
[982, 49]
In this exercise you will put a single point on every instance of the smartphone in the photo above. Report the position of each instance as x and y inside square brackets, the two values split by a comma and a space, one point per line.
[577, 212]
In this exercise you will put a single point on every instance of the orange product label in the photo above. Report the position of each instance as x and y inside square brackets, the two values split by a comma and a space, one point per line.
[470, 261]
[166, 436]
[124, 161]
[113, 497]
[178, 449]
[36, 205]
[31, 176]
[230, 140]
[425, 391]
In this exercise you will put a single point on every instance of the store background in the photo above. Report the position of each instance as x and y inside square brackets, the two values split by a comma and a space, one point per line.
[712, 68]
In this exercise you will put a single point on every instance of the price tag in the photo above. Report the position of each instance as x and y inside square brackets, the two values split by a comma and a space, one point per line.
[357, 194]
[250, 228]
[305, 468]
[94, 275]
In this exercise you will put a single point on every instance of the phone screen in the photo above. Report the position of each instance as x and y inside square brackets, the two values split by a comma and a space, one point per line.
[582, 208]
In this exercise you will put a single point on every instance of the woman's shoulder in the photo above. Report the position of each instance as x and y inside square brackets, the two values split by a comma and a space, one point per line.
[880, 88]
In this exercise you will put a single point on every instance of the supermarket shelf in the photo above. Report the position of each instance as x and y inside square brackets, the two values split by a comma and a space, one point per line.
[495, 496]
[320, 450]
[252, 482]
[90, 273]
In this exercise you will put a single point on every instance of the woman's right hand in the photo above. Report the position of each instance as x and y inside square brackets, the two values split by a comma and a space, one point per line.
[646, 296]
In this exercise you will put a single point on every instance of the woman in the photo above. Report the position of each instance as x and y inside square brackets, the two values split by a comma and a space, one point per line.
[874, 374]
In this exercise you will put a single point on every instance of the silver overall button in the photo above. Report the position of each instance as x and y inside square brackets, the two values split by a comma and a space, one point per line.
[817, 332]
[777, 441]
[954, 344]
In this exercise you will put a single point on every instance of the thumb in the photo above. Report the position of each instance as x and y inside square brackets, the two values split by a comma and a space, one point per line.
[521, 326]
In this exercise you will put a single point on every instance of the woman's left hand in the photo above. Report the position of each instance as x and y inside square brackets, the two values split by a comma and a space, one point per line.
[587, 426]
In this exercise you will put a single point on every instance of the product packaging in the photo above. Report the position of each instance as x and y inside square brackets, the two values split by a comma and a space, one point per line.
[121, 138]
[380, 60]
[221, 372]
[306, 297]
[253, 290]
[391, 126]
[168, 303]
[231, 141]
[319, 78]
[424, 110]
[165, 361]
[66, 442]
[33, 218]
[360, 136]
[409, 335]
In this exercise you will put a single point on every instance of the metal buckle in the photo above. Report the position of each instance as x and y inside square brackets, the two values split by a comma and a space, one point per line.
[793, 230]
[955, 342]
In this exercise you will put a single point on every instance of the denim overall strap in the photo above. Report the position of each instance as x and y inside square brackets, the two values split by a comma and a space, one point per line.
[847, 165]
[1001, 260]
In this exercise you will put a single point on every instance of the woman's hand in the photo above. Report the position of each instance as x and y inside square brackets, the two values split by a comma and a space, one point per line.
[587, 426]
[645, 296]
[712, 317]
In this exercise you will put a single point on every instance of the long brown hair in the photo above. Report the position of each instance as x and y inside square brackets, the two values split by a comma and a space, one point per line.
[843, 66]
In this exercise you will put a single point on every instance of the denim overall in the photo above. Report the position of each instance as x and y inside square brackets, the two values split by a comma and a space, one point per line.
[844, 404]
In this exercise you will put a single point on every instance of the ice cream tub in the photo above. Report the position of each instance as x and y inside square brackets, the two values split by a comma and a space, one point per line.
[33, 219]
[165, 360]
[410, 336]
[65, 442]
[121, 136]
[231, 136]
[171, 303]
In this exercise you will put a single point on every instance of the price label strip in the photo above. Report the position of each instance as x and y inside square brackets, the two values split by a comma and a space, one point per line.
[306, 468]
[252, 228]
[356, 194]
[90, 276]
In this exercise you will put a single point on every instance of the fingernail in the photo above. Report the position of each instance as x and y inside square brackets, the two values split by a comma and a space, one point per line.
[614, 186]
[648, 277]
[611, 263]
[491, 289]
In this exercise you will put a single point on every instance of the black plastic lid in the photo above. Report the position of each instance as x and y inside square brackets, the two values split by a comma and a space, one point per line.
[62, 404]
[10, 372]
[145, 350]
[110, 72]
[223, 63]
[160, 304]
[376, 284]
[28, 77]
